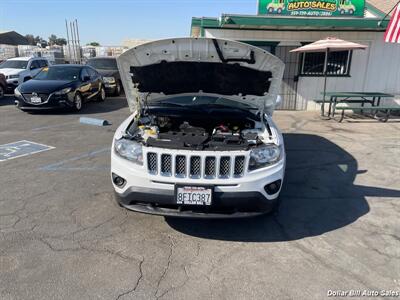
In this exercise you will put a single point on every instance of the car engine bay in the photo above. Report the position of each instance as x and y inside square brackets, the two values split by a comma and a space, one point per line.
[211, 129]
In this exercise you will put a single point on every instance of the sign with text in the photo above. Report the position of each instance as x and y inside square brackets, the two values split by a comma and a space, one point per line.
[312, 8]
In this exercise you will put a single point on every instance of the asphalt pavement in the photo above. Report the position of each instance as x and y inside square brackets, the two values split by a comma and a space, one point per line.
[62, 235]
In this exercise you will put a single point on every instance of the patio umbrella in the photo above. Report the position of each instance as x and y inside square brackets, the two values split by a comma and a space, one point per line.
[327, 45]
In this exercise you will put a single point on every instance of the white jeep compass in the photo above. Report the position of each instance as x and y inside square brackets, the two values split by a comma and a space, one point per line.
[200, 141]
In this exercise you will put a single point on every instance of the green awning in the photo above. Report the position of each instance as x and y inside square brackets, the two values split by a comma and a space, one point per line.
[258, 22]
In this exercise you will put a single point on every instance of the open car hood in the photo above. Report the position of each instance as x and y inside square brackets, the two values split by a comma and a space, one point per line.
[235, 70]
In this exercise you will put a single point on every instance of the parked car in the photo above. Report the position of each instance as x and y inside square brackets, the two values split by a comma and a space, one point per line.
[107, 67]
[21, 69]
[60, 86]
[200, 141]
[3, 85]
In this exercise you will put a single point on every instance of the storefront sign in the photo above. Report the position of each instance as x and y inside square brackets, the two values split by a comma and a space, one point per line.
[312, 8]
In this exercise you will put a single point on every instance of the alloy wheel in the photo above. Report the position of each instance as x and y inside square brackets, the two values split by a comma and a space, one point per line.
[78, 102]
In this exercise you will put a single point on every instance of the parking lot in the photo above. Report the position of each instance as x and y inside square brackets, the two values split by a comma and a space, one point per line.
[62, 235]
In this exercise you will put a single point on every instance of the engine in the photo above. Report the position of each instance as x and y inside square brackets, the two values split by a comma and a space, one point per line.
[218, 133]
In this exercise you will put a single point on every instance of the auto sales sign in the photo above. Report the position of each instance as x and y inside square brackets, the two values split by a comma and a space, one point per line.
[312, 8]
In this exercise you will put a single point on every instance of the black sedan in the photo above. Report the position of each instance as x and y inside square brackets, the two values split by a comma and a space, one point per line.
[107, 67]
[61, 86]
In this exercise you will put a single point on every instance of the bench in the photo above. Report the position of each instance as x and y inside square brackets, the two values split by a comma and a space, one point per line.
[376, 109]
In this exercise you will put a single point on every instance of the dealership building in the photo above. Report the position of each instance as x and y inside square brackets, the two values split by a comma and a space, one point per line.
[283, 25]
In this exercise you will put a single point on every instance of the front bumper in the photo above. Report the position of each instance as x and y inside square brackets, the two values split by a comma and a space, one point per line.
[232, 198]
[110, 88]
[53, 102]
[11, 85]
[225, 205]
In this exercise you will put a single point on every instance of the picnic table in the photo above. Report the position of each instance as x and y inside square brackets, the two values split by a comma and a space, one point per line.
[372, 98]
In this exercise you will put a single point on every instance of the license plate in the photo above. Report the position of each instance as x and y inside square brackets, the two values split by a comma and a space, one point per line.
[193, 195]
[35, 99]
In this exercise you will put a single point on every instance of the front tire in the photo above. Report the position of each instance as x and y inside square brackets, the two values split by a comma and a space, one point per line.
[1, 92]
[78, 102]
[117, 89]
[102, 94]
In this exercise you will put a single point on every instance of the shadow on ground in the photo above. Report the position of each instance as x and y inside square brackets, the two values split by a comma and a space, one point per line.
[7, 100]
[318, 196]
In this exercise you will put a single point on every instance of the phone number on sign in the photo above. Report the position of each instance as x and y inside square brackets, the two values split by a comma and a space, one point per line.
[311, 13]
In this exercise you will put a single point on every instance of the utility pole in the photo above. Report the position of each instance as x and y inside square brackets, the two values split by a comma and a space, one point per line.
[68, 41]
[79, 42]
[74, 42]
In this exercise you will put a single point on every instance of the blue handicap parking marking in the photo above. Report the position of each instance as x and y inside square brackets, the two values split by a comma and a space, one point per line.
[21, 148]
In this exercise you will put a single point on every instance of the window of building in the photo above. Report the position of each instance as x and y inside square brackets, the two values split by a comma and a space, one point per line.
[338, 64]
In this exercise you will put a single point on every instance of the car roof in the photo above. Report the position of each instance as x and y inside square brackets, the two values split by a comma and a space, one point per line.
[20, 58]
[26, 58]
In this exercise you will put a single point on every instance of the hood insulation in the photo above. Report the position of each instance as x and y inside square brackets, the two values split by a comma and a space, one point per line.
[187, 77]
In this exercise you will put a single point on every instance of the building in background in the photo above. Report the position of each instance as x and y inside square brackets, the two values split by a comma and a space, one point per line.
[130, 43]
[282, 25]
[9, 40]
[12, 38]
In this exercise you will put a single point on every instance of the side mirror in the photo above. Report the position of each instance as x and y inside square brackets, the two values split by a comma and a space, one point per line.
[86, 78]
[278, 102]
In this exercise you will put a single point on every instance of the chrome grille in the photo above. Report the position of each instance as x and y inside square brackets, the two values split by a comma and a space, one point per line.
[224, 166]
[166, 164]
[43, 97]
[208, 167]
[195, 166]
[239, 166]
[180, 165]
[152, 162]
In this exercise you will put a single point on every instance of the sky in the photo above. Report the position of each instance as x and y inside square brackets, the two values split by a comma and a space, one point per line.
[109, 22]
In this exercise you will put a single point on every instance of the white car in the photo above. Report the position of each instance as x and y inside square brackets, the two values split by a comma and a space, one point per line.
[200, 141]
[20, 69]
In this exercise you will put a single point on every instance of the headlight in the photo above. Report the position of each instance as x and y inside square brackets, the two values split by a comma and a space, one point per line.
[109, 79]
[17, 93]
[13, 76]
[129, 150]
[63, 91]
[263, 156]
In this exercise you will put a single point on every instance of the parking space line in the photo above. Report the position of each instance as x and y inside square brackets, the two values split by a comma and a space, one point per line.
[51, 126]
[20, 149]
[59, 166]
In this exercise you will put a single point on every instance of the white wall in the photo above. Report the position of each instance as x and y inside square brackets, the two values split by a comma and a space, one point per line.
[376, 69]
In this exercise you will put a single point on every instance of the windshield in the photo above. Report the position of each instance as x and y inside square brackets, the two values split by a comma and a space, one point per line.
[14, 64]
[196, 100]
[59, 73]
[106, 64]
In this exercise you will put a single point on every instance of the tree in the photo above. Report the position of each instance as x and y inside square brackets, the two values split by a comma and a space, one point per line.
[31, 39]
[54, 40]
[94, 44]
[61, 41]
[40, 41]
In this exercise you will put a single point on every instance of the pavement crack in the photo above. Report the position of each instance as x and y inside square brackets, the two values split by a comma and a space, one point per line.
[166, 268]
[132, 290]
